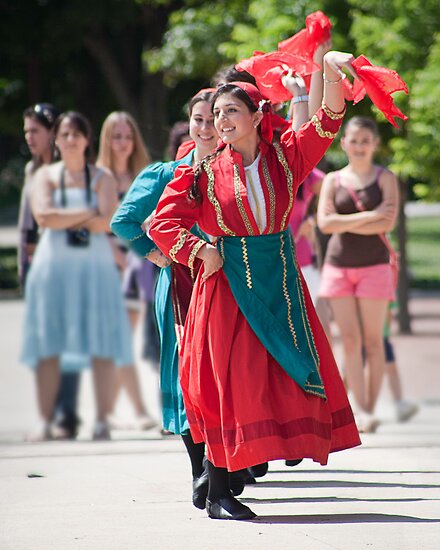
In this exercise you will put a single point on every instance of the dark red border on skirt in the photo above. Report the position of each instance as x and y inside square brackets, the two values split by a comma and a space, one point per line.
[271, 428]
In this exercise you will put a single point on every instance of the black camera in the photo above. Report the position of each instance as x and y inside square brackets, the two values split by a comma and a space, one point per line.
[78, 237]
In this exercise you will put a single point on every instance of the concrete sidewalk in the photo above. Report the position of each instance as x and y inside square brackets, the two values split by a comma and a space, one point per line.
[135, 491]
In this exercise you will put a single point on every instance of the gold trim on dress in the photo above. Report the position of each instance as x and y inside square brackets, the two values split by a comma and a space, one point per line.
[313, 350]
[289, 176]
[319, 130]
[271, 190]
[193, 255]
[175, 249]
[305, 318]
[331, 114]
[309, 389]
[286, 294]
[137, 237]
[244, 216]
[222, 247]
[246, 262]
[214, 201]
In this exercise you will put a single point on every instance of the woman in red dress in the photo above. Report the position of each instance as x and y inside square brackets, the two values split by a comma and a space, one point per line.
[258, 376]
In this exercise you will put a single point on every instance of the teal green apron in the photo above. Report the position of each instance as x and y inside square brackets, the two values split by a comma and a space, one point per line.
[262, 272]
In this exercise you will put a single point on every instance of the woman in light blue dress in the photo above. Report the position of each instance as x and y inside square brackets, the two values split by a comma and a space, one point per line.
[73, 298]
[174, 284]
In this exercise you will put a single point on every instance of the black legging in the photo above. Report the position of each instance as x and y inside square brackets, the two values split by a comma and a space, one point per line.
[196, 453]
[218, 483]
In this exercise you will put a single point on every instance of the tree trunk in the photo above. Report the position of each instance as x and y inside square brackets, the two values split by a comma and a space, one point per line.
[147, 105]
[153, 107]
[115, 78]
[403, 287]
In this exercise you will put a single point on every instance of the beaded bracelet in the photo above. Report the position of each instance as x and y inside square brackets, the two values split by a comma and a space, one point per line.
[300, 99]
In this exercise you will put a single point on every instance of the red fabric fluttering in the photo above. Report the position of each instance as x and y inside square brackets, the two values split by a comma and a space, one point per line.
[379, 83]
[185, 148]
[306, 41]
[269, 68]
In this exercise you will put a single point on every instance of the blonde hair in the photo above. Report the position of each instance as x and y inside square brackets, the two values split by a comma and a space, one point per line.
[140, 156]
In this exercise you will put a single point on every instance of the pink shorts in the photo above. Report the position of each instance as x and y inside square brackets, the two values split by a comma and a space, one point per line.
[374, 281]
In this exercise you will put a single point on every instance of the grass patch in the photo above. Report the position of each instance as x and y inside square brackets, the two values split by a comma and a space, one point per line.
[423, 251]
[8, 269]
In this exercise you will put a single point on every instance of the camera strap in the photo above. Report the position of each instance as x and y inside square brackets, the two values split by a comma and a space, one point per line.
[63, 187]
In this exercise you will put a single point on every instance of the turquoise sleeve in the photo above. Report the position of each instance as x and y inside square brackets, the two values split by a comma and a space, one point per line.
[139, 202]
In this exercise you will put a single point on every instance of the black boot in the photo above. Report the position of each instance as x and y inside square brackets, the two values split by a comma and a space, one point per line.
[237, 481]
[196, 453]
[200, 490]
[293, 462]
[228, 508]
[259, 470]
[220, 503]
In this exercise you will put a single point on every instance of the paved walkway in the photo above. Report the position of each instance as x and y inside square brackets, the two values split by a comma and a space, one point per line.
[134, 492]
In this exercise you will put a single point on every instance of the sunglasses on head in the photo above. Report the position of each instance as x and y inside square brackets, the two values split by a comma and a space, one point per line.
[44, 112]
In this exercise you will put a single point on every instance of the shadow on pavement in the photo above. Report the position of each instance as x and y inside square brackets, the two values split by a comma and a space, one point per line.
[355, 472]
[330, 499]
[338, 483]
[342, 518]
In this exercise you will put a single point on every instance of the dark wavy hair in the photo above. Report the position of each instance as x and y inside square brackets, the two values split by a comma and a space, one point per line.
[202, 96]
[236, 92]
[230, 74]
[44, 113]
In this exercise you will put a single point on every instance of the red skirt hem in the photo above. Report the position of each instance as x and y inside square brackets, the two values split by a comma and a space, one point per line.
[239, 400]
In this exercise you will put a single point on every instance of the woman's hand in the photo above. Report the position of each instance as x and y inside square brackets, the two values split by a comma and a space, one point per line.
[147, 222]
[333, 75]
[212, 261]
[294, 83]
[29, 249]
[158, 258]
[307, 229]
[334, 62]
[387, 210]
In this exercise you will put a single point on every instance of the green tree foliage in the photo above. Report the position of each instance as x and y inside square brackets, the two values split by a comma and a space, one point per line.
[87, 56]
[191, 46]
[129, 54]
[403, 34]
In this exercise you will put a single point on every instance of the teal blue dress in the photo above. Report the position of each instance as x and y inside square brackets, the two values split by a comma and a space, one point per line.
[140, 201]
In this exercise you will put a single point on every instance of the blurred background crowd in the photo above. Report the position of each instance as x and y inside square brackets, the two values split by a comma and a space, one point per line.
[127, 69]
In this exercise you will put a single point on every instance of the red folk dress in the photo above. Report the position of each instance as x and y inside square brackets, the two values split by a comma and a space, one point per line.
[238, 399]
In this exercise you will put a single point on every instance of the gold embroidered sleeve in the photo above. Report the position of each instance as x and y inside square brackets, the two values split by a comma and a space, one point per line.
[175, 249]
[331, 114]
[320, 130]
[193, 255]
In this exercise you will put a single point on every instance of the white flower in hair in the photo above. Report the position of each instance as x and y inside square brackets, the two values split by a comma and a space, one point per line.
[262, 103]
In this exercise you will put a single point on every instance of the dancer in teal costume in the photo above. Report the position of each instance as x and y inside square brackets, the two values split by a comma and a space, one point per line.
[138, 204]
[174, 284]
